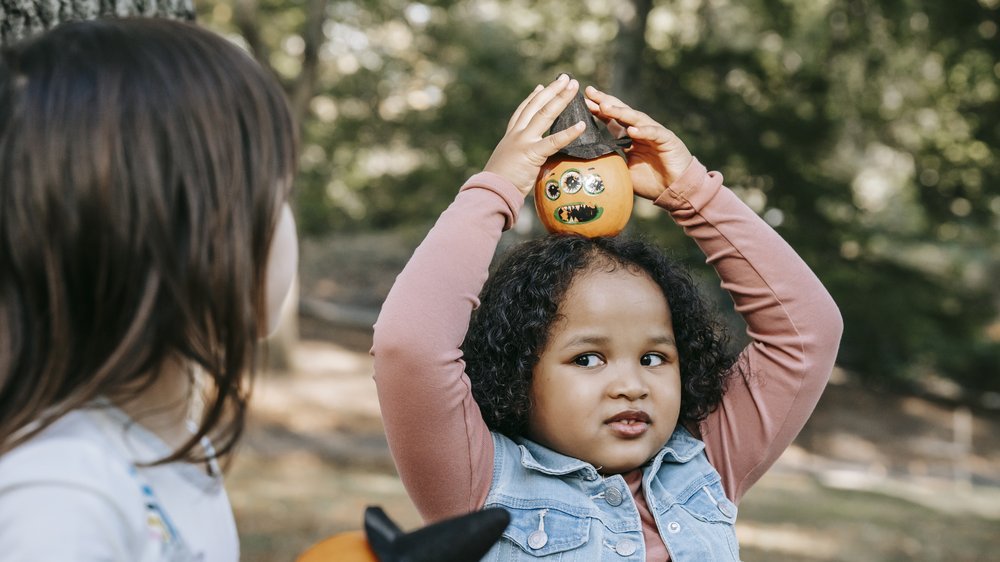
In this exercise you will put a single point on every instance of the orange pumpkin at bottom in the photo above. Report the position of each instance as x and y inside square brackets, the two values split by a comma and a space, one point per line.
[586, 197]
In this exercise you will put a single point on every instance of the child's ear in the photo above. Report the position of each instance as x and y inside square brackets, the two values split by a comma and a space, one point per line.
[461, 539]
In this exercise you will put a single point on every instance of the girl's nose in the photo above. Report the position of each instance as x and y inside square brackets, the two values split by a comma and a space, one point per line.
[629, 384]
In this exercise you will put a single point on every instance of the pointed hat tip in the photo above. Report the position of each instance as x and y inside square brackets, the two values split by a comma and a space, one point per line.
[595, 140]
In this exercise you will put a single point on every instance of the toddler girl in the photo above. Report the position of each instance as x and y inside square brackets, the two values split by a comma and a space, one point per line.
[146, 245]
[592, 396]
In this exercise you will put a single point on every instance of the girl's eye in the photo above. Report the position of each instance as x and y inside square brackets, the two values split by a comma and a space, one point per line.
[652, 360]
[587, 360]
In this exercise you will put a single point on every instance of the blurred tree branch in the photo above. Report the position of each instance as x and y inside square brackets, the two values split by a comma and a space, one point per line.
[247, 19]
[304, 87]
[629, 48]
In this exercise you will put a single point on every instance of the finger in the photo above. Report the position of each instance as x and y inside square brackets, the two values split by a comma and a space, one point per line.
[627, 116]
[520, 108]
[616, 129]
[543, 119]
[557, 141]
[538, 101]
[652, 134]
[595, 109]
[601, 98]
[609, 106]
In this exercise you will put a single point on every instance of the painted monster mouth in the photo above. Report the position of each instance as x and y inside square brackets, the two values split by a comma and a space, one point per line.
[578, 213]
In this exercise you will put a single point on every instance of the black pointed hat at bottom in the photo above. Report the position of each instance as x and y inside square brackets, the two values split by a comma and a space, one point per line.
[466, 538]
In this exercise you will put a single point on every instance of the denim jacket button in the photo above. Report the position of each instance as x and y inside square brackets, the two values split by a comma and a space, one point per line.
[613, 496]
[674, 527]
[537, 539]
[626, 547]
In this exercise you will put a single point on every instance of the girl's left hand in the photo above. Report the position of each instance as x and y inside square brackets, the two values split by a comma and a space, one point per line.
[525, 147]
[657, 157]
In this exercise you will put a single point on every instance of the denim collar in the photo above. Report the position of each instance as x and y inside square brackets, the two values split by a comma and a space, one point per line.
[680, 448]
[542, 459]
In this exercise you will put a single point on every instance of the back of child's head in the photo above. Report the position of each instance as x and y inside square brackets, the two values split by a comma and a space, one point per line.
[143, 167]
[520, 303]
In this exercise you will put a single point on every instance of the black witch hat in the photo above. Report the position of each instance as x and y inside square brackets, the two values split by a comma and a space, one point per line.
[595, 140]
[466, 538]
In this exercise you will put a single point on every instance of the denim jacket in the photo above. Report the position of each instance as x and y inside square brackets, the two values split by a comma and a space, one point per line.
[562, 509]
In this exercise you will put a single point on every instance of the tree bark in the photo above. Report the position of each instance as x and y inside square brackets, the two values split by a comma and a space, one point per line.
[629, 49]
[304, 88]
[22, 18]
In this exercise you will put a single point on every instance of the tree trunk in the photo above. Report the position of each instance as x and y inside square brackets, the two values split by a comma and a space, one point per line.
[23, 18]
[629, 49]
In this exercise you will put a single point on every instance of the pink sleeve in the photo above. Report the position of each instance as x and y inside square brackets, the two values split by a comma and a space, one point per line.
[793, 322]
[436, 433]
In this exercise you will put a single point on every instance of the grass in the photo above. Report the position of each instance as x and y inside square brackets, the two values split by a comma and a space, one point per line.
[794, 517]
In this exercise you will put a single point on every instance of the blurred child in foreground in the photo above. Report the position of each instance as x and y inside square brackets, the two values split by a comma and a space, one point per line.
[146, 245]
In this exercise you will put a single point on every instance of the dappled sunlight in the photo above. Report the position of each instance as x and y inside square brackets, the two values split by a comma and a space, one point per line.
[865, 480]
[286, 503]
[332, 388]
[322, 359]
[788, 540]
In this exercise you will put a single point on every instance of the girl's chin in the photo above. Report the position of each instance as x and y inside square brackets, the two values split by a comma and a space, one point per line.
[621, 465]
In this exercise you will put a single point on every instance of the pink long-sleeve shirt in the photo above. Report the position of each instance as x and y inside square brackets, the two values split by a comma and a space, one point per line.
[436, 433]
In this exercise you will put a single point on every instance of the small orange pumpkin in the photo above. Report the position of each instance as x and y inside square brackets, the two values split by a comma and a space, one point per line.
[587, 197]
[349, 546]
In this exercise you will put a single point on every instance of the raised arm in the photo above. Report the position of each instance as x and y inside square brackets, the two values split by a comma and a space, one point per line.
[437, 436]
[439, 441]
[793, 322]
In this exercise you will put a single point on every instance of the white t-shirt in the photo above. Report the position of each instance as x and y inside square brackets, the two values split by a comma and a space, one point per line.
[73, 493]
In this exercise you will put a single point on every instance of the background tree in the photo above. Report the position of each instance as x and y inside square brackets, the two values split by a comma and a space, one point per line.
[866, 132]
[21, 18]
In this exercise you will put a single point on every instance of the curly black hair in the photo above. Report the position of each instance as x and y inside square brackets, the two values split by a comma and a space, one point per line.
[520, 302]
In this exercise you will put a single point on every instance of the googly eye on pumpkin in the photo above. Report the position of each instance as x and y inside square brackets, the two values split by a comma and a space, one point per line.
[593, 184]
[552, 190]
[571, 181]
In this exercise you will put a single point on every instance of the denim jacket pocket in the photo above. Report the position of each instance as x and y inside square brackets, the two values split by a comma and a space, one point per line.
[708, 502]
[546, 530]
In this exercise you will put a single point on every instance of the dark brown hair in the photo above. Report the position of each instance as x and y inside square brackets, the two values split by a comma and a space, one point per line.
[143, 166]
[520, 302]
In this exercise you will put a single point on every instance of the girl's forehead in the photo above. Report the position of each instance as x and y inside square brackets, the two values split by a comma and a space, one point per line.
[614, 310]
[603, 292]
[603, 276]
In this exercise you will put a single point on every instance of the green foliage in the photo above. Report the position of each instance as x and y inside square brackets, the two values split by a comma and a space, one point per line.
[866, 132]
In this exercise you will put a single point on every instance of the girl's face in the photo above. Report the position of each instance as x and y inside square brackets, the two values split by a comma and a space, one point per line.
[282, 263]
[607, 386]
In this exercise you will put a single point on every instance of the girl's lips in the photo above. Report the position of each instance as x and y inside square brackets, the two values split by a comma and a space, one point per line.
[629, 424]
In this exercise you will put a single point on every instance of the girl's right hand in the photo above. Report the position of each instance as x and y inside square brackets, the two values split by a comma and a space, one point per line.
[523, 150]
